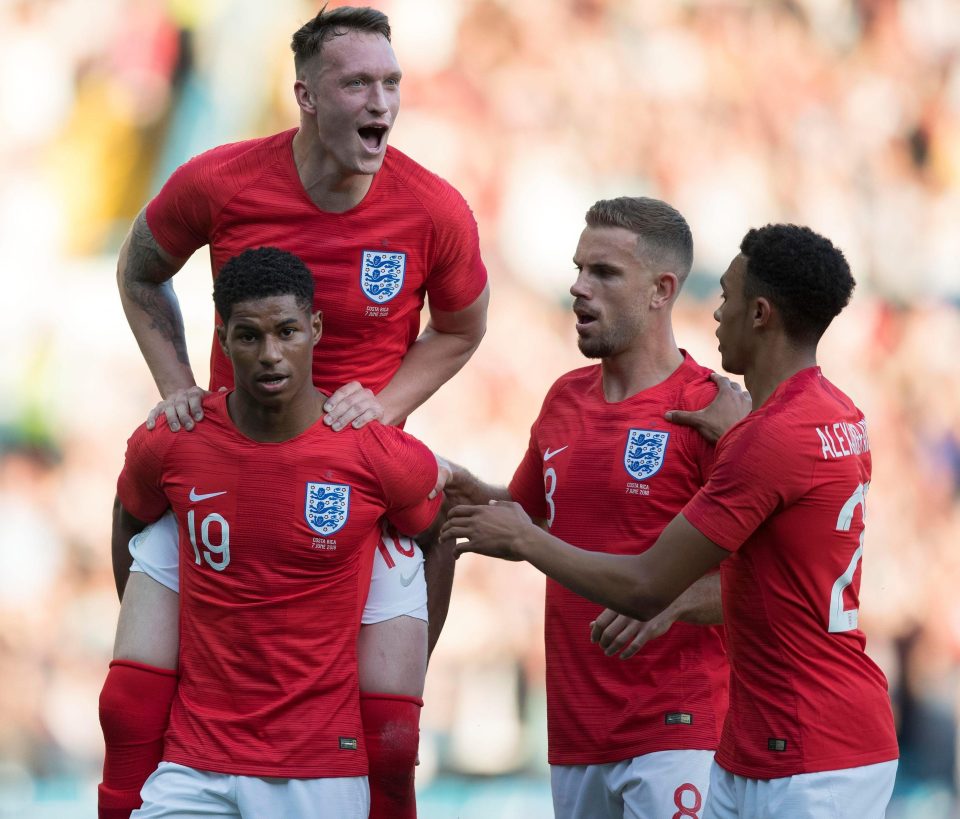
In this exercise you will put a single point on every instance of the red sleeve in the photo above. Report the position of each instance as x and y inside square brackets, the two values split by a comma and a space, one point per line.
[407, 471]
[457, 275]
[526, 488]
[756, 473]
[139, 485]
[181, 215]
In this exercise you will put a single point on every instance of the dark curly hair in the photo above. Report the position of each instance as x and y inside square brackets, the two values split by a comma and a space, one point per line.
[800, 272]
[308, 40]
[259, 274]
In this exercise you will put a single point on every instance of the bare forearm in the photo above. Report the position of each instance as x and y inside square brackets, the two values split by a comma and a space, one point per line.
[700, 604]
[614, 581]
[465, 488]
[429, 363]
[144, 271]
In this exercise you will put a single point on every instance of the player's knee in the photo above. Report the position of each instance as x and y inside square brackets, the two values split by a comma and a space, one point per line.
[135, 702]
[391, 727]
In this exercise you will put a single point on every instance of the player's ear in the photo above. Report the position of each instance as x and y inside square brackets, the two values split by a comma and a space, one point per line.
[222, 338]
[667, 286]
[762, 312]
[316, 326]
[304, 96]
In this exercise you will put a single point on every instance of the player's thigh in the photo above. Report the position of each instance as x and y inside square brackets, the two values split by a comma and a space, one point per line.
[175, 792]
[148, 628]
[156, 551]
[346, 797]
[392, 647]
[863, 792]
[584, 792]
[392, 656]
[727, 794]
[666, 783]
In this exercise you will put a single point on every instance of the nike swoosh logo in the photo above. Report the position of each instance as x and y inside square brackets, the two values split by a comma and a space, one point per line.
[194, 497]
[406, 581]
[548, 454]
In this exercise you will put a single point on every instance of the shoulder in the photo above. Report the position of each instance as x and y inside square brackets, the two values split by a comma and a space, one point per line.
[401, 462]
[572, 389]
[149, 447]
[439, 198]
[696, 389]
[389, 436]
[237, 159]
[577, 381]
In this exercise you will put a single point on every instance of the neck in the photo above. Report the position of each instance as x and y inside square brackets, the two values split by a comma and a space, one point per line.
[774, 364]
[328, 187]
[275, 423]
[643, 366]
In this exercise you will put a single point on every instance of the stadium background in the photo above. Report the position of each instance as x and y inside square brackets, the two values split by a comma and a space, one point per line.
[842, 115]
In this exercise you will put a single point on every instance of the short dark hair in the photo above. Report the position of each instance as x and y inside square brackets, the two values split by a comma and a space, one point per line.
[663, 235]
[260, 274]
[803, 275]
[308, 40]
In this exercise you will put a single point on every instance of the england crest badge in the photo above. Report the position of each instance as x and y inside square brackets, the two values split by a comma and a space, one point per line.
[643, 455]
[381, 274]
[327, 507]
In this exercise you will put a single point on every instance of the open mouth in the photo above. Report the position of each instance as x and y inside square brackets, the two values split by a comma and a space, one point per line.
[584, 317]
[373, 137]
[272, 381]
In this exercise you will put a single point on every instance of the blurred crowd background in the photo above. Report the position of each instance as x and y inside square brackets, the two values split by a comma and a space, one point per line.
[841, 114]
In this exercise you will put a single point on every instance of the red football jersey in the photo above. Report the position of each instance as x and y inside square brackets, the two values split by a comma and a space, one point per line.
[413, 234]
[787, 497]
[276, 548]
[608, 477]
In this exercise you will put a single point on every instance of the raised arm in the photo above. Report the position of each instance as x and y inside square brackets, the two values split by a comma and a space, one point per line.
[144, 273]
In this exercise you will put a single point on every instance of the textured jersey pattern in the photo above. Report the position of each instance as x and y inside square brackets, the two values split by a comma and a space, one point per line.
[412, 236]
[611, 477]
[276, 549]
[787, 497]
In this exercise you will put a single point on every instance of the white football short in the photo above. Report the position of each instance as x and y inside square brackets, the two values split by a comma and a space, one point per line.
[174, 791]
[861, 792]
[397, 587]
[662, 783]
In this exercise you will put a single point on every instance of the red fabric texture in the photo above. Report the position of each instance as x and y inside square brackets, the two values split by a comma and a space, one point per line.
[134, 709]
[249, 194]
[270, 535]
[391, 726]
[583, 473]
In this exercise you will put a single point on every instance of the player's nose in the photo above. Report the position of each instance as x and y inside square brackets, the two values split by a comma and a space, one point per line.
[377, 99]
[579, 289]
[270, 351]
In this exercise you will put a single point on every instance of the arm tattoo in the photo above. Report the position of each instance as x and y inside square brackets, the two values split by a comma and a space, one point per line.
[146, 281]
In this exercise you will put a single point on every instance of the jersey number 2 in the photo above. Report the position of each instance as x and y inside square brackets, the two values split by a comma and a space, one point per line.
[842, 619]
